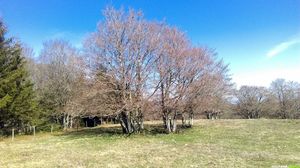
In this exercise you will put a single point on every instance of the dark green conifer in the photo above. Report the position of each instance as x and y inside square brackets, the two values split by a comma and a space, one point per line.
[17, 100]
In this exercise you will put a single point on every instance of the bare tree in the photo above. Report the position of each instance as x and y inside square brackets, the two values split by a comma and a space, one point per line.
[60, 67]
[286, 95]
[251, 101]
[170, 67]
[124, 45]
[186, 73]
[211, 88]
[151, 63]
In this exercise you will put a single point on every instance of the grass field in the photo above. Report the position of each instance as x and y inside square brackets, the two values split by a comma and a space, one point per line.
[210, 143]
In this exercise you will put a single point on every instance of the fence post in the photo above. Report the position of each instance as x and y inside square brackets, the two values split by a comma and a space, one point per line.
[34, 131]
[12, 134]
[51, 128]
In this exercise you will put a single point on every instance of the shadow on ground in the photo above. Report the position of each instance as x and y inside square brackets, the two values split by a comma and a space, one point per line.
[114, 130]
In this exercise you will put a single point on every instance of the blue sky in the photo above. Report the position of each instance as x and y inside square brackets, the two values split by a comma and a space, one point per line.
[260, 39]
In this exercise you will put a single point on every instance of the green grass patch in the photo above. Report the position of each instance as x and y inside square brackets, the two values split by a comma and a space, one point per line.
[210, 143]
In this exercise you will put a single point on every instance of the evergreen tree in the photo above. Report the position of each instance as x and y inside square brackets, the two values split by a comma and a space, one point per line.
[17, 101]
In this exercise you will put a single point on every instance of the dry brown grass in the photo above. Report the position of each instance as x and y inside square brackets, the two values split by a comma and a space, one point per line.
[218, 143]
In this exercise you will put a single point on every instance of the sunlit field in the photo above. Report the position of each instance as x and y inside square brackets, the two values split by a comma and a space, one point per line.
[210, 143]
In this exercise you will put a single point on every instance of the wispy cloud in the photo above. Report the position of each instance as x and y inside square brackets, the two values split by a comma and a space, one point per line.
[282, 47]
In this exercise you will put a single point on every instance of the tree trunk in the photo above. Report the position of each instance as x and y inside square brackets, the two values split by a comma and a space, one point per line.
[168, 125]
[71, 122]
[174, 125]
[165, 120]
[126, 122]
[142, 124]
[123, 121]
[171, 123]
[34, 131]
[64, 122]
[183, 120]
[129, 123]
[191, 119]
[67, 120]
[12, 134]
[140, 120]
[101, 120]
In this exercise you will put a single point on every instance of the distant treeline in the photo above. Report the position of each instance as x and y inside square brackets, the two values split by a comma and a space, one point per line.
[280, 100]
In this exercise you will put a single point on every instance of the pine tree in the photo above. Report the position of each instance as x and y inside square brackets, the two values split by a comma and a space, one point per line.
[17, 100]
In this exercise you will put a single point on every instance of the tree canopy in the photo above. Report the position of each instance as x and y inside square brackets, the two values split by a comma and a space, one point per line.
[18, 105]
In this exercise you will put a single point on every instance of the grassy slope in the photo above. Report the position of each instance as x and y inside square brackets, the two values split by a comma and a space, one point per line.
[219, 143]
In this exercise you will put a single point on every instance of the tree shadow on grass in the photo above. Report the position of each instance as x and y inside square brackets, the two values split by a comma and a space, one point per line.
[154, 129]
[98, 131]
[111, 131]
